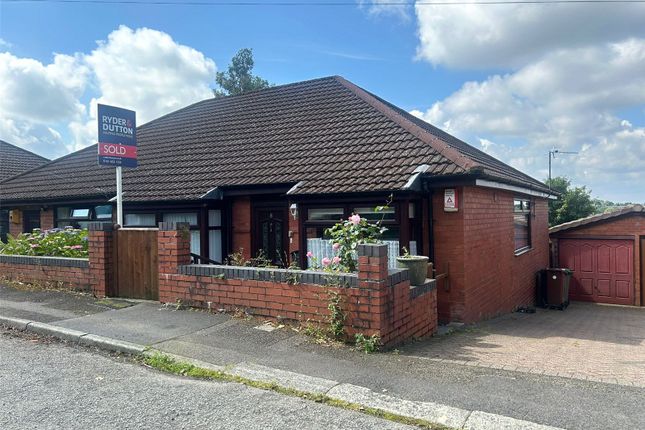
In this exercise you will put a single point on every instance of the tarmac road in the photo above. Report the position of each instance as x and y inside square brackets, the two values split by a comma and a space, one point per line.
[49, 385]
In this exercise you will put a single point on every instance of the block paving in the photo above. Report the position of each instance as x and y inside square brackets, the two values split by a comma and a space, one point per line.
[587, 341]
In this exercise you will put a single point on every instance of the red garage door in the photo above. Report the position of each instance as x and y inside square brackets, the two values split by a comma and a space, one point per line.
[603, 270]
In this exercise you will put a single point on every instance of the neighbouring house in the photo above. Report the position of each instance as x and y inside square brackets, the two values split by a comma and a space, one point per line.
[271, 170]
[14, 161]
[607, 255]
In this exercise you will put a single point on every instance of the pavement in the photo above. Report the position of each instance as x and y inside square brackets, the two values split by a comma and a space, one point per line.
[409, 381]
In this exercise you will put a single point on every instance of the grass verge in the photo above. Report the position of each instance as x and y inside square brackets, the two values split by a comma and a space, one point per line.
[168, 364]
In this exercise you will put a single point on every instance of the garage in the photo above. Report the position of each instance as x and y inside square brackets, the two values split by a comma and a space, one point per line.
[602, 269]
[606, 253]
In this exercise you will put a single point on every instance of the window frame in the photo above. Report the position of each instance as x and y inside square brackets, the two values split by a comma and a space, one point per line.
[525, 210]
[72, 221]
[411, 231]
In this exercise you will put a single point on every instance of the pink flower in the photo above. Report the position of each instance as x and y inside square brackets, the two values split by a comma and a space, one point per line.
[77, 247]
[326, 261]
[336, 246]
[355, 219]
[34, 245]
[335, 260]
[310, 254]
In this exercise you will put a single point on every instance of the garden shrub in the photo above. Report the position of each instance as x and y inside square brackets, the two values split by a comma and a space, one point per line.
[67, 242]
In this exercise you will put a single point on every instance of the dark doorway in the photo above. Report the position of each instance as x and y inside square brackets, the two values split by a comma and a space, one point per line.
[4, 225]
[30, 220]
[270, 234]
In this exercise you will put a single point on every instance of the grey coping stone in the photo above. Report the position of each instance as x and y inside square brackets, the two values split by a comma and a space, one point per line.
[396, 276]
[270, 274]
[371, 250]
[45, 261]
[419, 290]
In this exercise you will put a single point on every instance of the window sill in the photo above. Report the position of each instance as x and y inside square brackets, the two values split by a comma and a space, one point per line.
[523, 251]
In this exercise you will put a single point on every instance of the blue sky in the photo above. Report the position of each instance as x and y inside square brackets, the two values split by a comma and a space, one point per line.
[481, 73]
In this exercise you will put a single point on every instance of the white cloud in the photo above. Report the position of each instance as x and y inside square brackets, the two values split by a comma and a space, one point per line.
[32, 91]
[34, 137]
[146, 70]
[4, 43]
[386, 8]
[142, 69]
[502, 36]
[568, 100]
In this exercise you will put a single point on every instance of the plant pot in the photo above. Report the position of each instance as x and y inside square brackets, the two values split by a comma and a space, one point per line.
[417, 266]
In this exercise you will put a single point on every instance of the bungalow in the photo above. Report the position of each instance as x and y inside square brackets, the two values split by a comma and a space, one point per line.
[269, 171]
[13, 161]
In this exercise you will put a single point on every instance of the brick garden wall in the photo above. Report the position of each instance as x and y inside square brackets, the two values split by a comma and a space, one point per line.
[475, 246]
[88, 274]
[375, 300]
[53, 272]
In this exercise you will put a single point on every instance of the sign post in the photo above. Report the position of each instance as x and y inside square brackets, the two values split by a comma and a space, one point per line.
[117, 145]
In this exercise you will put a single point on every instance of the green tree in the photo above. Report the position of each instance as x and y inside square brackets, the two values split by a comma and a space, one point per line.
[573, 202]
[238, 79]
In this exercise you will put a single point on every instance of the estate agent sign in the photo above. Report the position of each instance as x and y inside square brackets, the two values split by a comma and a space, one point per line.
[117, 137]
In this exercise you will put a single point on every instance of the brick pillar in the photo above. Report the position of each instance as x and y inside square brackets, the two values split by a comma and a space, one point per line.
[373, 276]
[101, 250]
[15, 228]
[46, 219]
[173, 243]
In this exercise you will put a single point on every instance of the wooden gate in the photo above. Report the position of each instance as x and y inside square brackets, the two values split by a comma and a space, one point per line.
[136, 267]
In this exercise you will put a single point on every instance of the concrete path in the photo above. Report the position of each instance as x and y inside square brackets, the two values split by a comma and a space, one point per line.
[483, 393]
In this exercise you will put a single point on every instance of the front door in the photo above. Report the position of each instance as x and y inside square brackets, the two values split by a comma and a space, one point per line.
[270, 235]
[30, 221]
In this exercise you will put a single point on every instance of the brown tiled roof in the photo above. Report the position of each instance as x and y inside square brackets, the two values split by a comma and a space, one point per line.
[627, 210]
[15, 160]
[326, 135]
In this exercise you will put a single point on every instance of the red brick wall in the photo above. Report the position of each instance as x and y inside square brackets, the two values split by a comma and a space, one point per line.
[101, 250]
[372, 307]
[241, 226]
[486, 278]
[498, 281]
[15, 229]
[95, 273]
[628, 225]
[47, 219]
[449, 257]
[50, 276]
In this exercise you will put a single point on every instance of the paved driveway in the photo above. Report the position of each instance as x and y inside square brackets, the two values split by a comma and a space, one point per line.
[586, 341]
